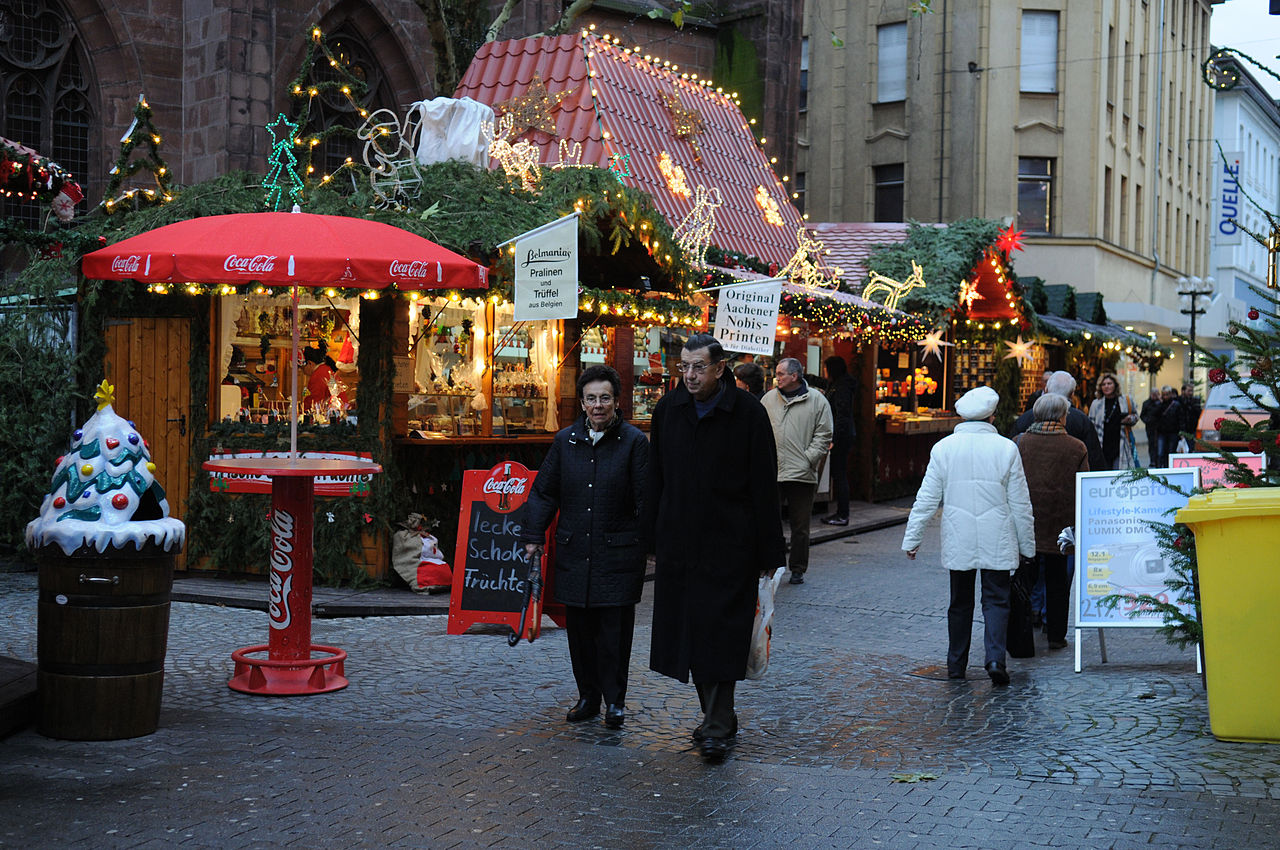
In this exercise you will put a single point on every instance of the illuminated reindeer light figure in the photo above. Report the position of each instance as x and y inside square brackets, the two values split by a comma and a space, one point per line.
[517, 160]
[693, 234]
[894, 289]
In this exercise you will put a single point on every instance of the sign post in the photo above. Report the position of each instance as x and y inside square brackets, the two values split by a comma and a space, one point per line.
[1116, 548]
[490, 570]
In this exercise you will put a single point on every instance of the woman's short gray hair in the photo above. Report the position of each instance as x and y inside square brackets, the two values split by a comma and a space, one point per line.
[1050, 407]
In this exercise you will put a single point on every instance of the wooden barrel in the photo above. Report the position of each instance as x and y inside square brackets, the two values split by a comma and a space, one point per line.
[103, 623]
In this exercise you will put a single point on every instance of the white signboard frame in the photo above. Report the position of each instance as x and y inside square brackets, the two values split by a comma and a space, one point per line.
[1116, 549]
[546, 271]
[747, 317]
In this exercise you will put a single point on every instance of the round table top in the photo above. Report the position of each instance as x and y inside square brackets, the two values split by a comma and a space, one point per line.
[291, 467]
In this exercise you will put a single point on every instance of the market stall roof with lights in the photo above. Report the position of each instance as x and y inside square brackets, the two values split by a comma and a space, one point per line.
[665, 131]
[27, 175]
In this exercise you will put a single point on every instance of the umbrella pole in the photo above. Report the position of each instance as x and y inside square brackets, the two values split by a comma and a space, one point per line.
[293, 394]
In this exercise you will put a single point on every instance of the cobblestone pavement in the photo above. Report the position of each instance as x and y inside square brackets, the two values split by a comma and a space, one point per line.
[855, 739]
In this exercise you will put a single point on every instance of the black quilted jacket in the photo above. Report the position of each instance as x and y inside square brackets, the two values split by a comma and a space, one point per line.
[597, 488]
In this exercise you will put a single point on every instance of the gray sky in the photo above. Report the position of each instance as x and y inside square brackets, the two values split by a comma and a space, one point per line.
[1246, 26]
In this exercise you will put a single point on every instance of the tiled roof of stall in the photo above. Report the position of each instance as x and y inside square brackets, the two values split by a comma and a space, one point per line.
[850, 243]
[615, 105]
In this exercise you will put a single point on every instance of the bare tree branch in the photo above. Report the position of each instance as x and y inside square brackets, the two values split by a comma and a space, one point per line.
[447, 75]
[576, 8]
[500, 21]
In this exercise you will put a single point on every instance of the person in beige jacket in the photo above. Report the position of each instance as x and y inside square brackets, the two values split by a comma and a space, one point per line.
[801, 419]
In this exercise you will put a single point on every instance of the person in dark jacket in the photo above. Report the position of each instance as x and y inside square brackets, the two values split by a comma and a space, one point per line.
[749, 377]
[1169, 422]
[595, 475]
[712, 520]
[1051, 458]
[1148, 416]
[840, 395]
[1079, 425]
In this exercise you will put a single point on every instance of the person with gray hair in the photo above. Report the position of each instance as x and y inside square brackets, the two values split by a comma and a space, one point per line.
[802, 430]
[1050, 459]
[1079, 425]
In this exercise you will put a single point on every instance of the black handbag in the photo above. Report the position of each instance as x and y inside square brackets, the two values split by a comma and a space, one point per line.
[1021, 639]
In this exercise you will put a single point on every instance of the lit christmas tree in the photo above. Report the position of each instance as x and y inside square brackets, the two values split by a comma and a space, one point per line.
[141, 136]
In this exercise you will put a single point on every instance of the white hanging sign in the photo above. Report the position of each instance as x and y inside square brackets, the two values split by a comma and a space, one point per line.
[547, 271]
[747, 317]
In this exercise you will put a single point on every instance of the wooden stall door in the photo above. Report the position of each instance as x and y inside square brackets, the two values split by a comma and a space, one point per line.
[147, 361]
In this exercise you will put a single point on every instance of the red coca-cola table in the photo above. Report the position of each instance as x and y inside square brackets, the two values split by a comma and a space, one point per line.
[291, 666]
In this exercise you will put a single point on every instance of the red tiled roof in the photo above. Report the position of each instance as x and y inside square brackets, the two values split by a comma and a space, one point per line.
[616, 92]
[850, 244]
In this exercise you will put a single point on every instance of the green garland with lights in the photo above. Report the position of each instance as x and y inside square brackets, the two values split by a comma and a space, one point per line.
[31, 176]
[306, 86]
[142, 134]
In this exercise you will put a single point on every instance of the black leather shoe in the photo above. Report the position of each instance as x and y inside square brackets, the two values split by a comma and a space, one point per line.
[584, 709]
[836, 520]
[997, 673]
[715, 749]
[796, 578]
[614, 716]
[1057, 644]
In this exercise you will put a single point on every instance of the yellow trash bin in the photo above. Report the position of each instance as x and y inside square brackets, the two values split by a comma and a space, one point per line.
[1238, 553]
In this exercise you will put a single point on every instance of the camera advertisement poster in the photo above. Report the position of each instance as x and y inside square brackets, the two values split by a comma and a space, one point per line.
[1116, 548]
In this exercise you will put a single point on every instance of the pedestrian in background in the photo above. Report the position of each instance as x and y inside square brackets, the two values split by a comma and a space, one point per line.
[1113, 415]
[1078, 423]
[840, 396]
[749, 377]
[1169, 422]
[713, 524]
[1050, 459]
[595, 476]
[801, 419]
[976, 476]
[1191, 408]
[1150, 425]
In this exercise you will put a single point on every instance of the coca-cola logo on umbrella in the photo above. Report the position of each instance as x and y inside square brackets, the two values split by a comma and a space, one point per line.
[416, 269]
[507, 486]
[257, 264]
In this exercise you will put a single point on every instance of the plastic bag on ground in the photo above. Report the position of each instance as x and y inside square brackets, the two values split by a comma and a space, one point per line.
[762, 631]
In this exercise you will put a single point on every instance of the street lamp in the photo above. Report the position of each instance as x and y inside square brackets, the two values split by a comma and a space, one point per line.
[1194, 295]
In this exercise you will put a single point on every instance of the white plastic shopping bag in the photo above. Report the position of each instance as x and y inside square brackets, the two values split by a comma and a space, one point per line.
[762, 631]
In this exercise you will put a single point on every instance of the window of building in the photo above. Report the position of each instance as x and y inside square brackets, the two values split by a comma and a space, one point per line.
[891, 62]
[44, 100]
[804, 73]
[797, 191]
[1035, 194]
[890, 192]
[333, 109]
[1039, 51]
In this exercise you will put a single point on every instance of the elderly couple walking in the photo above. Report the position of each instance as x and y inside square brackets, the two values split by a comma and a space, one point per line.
[702, 495]
[1001, 501]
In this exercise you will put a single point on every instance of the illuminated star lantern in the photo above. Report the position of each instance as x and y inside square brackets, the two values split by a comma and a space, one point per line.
[532, 110]
[932, 344]
[1009, 240]
[969, 293]
[1023, 352]
[687, 122]
[105, 395]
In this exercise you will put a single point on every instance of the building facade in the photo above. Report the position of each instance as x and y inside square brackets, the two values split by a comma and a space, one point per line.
[1087, 125]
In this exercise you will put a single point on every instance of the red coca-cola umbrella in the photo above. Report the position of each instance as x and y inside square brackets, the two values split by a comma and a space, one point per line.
[294, 250]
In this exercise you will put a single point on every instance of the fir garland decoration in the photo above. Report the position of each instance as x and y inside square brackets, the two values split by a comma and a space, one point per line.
[141, 133]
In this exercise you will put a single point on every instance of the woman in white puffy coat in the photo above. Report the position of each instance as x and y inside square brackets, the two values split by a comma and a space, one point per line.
[976, 475]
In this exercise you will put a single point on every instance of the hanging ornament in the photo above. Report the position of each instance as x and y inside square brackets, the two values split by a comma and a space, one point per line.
[1009, 240]
[1023, 352]
[532, 110]
[1217, 376]
[1264, 363]
[688, 124]
[932, 345]
[1254, 314]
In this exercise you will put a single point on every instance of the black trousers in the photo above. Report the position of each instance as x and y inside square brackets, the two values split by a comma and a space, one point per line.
[797, 498]
[995, 611]
[1056, 598]
[839, 460]
[716, 699]
[600, 650]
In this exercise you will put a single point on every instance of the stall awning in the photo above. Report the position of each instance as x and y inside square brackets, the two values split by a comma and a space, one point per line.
[1074, 329]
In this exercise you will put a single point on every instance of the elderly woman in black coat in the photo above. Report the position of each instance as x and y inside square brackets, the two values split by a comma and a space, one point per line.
[595, 476]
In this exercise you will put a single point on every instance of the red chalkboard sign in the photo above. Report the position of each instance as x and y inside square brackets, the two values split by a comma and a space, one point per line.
[489, 567]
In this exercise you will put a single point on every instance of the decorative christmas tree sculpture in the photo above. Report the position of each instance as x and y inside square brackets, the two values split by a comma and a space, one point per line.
[284, 188]
[104, 492]
[141, 134]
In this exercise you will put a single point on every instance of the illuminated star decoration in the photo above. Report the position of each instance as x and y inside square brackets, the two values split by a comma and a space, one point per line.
[1009, 240]
[932, 344]
[532, 110]
[767, 205]
[105, 395]
[969, 294]
[1023, 352]
[620, 165]
[687, 122]
[674, 175]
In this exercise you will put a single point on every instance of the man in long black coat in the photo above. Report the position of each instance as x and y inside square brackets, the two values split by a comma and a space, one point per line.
[715, 528]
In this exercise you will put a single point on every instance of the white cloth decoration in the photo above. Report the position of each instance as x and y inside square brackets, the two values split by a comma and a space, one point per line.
[450, 129]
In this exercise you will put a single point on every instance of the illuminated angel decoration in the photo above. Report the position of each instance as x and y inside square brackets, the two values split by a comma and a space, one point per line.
[388, 152]
[693, 234]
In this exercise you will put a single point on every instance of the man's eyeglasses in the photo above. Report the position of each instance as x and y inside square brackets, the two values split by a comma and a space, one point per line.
[597, 400]
[693, 368]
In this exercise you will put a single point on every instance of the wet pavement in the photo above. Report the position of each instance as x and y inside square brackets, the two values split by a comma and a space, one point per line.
[854, 739]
